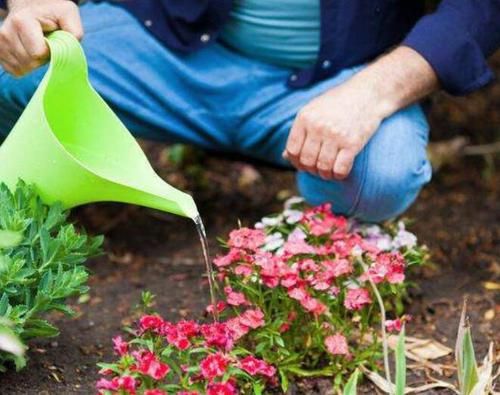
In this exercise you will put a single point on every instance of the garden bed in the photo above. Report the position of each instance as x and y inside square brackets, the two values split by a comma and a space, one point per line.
[457, 216]
[456, 219]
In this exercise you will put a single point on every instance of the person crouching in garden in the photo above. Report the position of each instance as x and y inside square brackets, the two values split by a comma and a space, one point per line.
[330, 88]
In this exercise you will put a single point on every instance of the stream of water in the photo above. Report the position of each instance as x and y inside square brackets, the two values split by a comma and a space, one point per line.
[206, 256]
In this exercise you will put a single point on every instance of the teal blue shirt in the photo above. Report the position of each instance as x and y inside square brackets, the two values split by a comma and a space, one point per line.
[281, 32]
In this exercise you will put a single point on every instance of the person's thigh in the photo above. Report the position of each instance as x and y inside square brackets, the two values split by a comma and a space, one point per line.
[387, 174]
[157, 93]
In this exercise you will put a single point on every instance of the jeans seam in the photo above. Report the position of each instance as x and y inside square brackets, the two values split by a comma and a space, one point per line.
[362, 183]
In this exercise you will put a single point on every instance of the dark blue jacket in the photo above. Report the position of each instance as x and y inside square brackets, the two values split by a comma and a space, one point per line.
[456, 39]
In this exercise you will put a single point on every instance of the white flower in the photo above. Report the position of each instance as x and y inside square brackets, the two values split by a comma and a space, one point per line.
[293, 201]
[356, 251]
[293, 216]
[384, 243]
[404, 238]
[273, 241]
[269, 221]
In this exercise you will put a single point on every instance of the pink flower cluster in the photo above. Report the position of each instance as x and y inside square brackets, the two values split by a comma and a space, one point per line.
[293, 289]
[185, 337]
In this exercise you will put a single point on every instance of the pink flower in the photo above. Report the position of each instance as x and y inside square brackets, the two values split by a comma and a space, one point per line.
[245, 238]
[309, 265]
[252, 318]
[296, 244]
[254, 366]
[217, 335]
[213, 365]
[221, 389]
[125, 383]
[219, 307]
[338, 267]
[299, 294]
[149, 364]
[388, 266]
[120, 346]
[243, 270]
[155, 392]
[337, 345]
[394, 325]
[356, 298]
[321, 220]
[176, 337]
[271, 282]
[105, 384]
[290, 280]
[151, 322]
[313, 306]
[231, 257]
[234, 298]
[397, 324]
[237, 329]
[188, 393]
[187, 328]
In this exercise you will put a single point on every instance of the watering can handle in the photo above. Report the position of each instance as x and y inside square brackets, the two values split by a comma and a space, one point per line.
[66, 53]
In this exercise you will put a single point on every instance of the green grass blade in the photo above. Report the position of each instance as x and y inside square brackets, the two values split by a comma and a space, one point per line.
[400, 364]
[351, 388]
[459, 344]
[469, 364]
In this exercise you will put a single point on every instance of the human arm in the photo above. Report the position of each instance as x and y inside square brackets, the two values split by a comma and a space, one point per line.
[22, 43]
[333, 128]
[451, 43]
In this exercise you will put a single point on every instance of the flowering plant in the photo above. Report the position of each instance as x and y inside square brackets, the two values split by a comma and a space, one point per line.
[299, 301]
[42, 259]
[183, 358]
[308, 273]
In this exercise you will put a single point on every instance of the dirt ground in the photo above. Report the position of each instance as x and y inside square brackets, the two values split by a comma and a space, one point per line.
[457, 216]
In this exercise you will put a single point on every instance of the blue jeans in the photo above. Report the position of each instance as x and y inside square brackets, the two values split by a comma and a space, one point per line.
[220, 100]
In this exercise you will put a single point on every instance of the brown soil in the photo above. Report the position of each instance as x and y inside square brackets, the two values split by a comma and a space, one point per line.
[457, 216]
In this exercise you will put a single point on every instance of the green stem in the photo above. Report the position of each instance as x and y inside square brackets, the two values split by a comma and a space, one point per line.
[383, 319]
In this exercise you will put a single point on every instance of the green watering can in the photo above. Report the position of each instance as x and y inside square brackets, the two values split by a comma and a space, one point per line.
[71, 145]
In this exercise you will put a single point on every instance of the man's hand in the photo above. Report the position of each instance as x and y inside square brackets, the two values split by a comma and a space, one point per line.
[332, 129]
[22, 43]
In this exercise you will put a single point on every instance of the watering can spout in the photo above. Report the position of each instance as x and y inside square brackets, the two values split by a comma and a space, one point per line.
[71, 145]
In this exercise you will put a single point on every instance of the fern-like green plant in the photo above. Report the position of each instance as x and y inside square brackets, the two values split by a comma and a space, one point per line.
[41, 264]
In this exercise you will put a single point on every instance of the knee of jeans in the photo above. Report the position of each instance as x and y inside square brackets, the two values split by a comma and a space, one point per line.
[341, 195]
[388, 191]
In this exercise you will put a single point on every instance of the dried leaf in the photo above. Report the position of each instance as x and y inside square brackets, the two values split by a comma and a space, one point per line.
[421, 349]
[383, 385]
[485, 378]
[491, 285]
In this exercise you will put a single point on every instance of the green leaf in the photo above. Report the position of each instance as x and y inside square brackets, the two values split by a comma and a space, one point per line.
[469, 364]
[351, 387]
[10, 238]
[284, 380]
[4, 304]
[464, 354]
[400, 364]
[39, 328]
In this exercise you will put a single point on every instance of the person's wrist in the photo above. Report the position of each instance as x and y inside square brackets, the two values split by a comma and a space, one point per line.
[17, 4]
[381, 97]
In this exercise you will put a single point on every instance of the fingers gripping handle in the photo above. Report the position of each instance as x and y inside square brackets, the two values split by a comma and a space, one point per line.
[67, 58]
